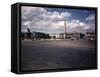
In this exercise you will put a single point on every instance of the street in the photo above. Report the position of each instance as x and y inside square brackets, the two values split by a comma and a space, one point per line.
[55, 54]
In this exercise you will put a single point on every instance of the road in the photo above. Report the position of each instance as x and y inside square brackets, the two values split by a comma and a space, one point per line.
[55, 54]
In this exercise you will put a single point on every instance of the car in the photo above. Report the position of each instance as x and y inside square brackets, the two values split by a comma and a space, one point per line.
[73, 38]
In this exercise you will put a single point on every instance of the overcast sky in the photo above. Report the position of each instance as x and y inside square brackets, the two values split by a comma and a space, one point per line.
[51, 20]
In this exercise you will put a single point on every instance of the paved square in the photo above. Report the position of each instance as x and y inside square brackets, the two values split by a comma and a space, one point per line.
[55, 54]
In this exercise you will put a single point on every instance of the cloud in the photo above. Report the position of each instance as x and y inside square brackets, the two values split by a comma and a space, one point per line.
[84, 25]
[90, 17]
[79, 26]
[59, 25]
[41, 20]
[73, 24]
[37, 18]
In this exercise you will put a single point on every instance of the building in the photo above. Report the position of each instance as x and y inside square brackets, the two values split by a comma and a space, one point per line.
[90, 35]
[75, 35]
[54, 35]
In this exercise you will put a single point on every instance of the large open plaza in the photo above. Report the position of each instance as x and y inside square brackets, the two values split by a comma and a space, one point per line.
[55, 54]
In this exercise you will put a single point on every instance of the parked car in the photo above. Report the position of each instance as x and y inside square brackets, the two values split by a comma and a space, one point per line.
[73, 38]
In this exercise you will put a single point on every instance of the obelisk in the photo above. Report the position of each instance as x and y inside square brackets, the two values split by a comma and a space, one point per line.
[64, 29]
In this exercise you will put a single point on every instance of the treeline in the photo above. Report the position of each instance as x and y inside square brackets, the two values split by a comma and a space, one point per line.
[34, 35]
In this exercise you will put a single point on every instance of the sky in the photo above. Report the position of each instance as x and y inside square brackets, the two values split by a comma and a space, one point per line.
[51, 20]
